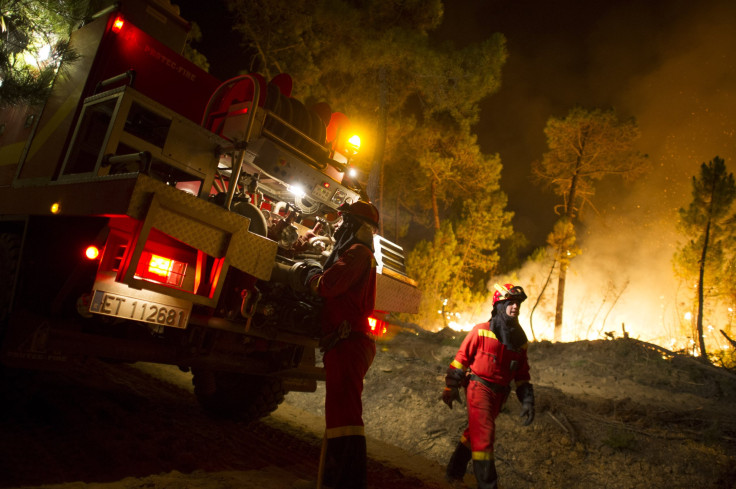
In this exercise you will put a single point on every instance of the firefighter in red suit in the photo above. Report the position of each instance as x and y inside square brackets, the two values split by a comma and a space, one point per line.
[490, 357]
[347, 284]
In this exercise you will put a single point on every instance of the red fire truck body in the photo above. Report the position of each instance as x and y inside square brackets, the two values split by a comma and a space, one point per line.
[150, 212]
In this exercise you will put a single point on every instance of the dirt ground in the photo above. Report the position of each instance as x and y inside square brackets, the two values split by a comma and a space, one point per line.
[610, 414]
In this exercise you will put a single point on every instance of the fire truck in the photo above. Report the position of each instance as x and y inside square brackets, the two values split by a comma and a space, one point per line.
[150, 212]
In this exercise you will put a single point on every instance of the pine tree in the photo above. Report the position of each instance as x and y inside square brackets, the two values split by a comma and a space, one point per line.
[584, 147]
[708, 222]
[34, 44]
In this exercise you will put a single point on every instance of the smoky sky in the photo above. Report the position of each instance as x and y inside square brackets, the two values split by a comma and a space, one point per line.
[669, 64]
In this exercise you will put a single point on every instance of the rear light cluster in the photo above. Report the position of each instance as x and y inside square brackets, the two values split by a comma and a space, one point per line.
[160, 269]
[160, 261]
[377, 326]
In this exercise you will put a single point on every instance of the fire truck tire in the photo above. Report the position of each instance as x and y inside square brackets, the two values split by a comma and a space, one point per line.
[236, 396]
[9, 257]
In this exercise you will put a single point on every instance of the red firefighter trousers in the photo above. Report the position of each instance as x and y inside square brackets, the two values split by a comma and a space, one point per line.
[345, 367]
[484, 404]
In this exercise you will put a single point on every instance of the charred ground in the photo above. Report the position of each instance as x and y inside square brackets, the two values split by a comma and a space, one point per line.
[610, 414]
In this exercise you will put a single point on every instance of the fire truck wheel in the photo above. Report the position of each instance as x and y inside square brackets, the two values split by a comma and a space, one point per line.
[9, 255]
[236, 396]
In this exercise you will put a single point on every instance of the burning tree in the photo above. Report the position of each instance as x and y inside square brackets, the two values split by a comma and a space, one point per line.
[584, 147]
[708, 223]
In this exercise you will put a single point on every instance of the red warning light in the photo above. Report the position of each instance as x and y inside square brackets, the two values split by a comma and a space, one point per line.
[377, 327]
[117, 24]
[161, 269]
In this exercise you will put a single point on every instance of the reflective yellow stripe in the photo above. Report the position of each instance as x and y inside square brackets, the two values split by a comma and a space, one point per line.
[487, 333]
[459, 365]
[482, 455]
[345, 431]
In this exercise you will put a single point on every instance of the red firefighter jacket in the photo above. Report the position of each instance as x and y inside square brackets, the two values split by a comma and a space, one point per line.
[349, 289]
[490, 359]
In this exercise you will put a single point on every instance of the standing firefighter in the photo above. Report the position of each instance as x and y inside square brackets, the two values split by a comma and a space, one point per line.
[348, 286]
[494, 353]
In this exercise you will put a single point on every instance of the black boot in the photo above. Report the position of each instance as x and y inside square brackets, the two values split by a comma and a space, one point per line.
[458, 463]
[485, 474]
[346, 463]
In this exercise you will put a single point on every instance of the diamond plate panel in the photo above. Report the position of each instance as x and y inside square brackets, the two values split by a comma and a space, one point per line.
[395, 296]
[204, 226]
[201, 235]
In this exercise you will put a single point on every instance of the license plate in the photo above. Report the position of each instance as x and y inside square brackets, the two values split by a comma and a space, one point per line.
[138, 310]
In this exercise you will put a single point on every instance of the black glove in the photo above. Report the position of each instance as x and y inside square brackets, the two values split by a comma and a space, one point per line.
[454, 377]
[527, 412]
[453, 380]
[451, 394]
[525, 394]
[312, 269]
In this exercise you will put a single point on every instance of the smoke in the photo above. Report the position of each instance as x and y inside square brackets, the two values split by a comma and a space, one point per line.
[671, 64]
[676, 73]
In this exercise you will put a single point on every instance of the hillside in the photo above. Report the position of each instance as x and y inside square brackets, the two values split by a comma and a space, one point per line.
[618, 414]
[615, 414]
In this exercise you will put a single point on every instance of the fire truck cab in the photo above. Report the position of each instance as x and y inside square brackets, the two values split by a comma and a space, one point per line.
[150, 212]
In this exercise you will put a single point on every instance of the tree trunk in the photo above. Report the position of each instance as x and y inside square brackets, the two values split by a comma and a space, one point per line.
[374, 188]
[539, 297]
[560, 300]
[396, 218]
[725, 335]
[701, 340]
[564, 261]
[435, 208]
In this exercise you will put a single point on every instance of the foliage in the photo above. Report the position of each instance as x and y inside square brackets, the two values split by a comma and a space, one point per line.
[433, 264]
[708, 223]
[377, 55]
[190, 52]
[563, 240]
[585, 147]
[724, 358]
[455, 266]
[34, 44]
[484, 222]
